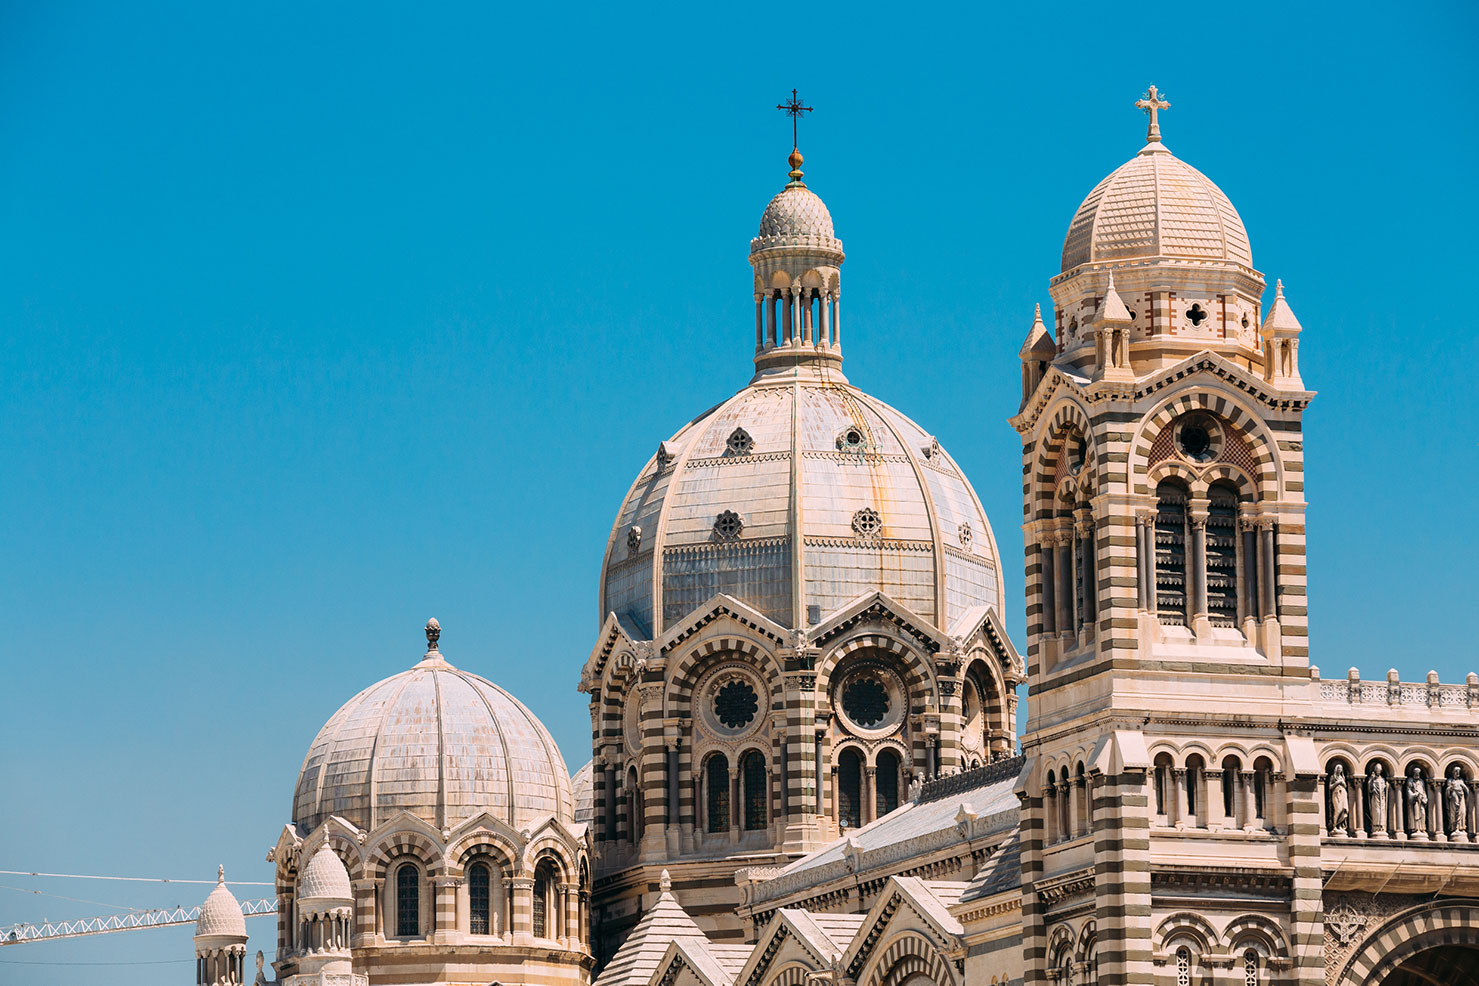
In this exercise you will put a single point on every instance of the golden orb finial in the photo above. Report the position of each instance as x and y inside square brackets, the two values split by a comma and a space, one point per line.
[795, 161]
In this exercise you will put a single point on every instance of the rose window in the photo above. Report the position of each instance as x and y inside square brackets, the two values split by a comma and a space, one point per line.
[865, 701]
[740, 442]
[867, 522]
[965, 535]
[735, 704]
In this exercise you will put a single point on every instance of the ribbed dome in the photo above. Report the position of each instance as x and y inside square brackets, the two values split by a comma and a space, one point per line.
[436, 741]
[875, 502]
[325, 877]
[221, 913]
[582, 790]
[796, 217]
[1156, 205]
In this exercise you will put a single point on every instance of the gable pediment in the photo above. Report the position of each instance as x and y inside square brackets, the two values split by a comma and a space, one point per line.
[876, 606]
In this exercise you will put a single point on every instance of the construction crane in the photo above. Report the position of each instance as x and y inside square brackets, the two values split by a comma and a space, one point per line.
[157, 917]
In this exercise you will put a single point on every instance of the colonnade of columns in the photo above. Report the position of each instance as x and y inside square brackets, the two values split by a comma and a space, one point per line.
[1069, 808]
[328, 931]
[1256, 566]
[798, 317]
[1224, 798]
[1070, 578]
[221, 966]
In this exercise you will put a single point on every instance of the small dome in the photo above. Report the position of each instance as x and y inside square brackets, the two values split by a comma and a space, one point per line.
[439, 742]
[796, 217]
[325, 878]
[1156, 205]
[581, 789]
[221, 914]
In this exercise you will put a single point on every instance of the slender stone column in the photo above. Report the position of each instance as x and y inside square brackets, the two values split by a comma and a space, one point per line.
[870, 803]
[1357, 826]
[837, 321]
[1045, 552]
[1250, 803]
[1066, 604]
[1269, 569]
[1216, 817]
[1074, 794]
[1197, 565]
[759, 323]
[793, 316]
[827, 320]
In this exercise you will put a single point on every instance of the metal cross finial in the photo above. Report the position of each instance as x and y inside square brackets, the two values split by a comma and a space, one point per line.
[1150, 103]
[794, 109]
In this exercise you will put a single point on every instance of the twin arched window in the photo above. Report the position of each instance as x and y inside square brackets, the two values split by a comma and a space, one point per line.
[1197, 561]
[545, 904]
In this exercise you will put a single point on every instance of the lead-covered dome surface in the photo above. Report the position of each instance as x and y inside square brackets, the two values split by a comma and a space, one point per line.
[1156, 205]
[439, 742]
[873, 500]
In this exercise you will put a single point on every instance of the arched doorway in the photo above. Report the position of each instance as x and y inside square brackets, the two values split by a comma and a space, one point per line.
[1451, 965]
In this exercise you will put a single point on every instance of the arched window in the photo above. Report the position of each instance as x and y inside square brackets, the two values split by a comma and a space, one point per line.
[1050, 809]
[1084, 823]
[1250, 968]
[1232, 768]
[757, 789]
[886, 781]
[1183, 966]
[1193, 790]
[1263, 782]
[634, 807]
[716, 779]
[479, 898]
[1222, 555]
[1163, 790]
[1170, 552]
[407, 901]
[849, 789]
[544, 903]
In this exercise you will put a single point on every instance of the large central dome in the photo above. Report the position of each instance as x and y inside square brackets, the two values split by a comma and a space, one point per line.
[800, 493]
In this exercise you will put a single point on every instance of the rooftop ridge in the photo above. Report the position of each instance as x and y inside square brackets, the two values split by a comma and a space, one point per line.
[966, 780]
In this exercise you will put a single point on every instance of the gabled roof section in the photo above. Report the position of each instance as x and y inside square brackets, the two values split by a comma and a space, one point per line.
[1114, 309]
[1057, 378]
[1000, 874]
[877, 605]
[913, 894]
[1212, 364]
[647, 944]
[614, 633]
[721, 607]
[1280, 319]
[985, 621]
[713, 965]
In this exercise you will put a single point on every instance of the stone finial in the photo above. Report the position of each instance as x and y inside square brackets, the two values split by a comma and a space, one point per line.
[665, 882]
[1471, 678]
[1432, 677]
[220, 875]
[1354, 674]
[1314, 672]
[1392, 676]
[433, 633]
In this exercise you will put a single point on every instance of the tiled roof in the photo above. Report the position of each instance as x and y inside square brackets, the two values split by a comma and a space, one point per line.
[1002, 872]
[638, 958]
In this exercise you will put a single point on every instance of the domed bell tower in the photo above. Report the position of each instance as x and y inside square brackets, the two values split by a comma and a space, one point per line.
[1164, 527]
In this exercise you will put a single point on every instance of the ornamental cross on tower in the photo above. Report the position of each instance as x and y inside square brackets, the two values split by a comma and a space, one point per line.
[1150, 103]
[793, 108]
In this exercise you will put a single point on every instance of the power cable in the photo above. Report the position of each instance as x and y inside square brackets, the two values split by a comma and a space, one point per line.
[133, 879]
[80, 900]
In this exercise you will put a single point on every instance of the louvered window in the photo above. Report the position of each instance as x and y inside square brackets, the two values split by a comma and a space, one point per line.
[1170, 553]
[1222, 557]
[478, 898]
[757, 790]
[849, 789]
[717, 780]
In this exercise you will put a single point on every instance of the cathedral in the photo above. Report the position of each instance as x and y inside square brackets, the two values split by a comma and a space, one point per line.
[807, 766]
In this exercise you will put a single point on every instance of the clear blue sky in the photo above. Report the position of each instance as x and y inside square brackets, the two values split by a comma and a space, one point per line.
[316, 323]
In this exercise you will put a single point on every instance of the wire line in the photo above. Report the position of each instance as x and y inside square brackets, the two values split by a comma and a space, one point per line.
[133, 879]
[80, 900]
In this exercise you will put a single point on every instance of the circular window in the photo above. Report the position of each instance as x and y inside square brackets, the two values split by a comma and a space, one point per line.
[871, 700]
[865, 701]
[740, 442]
[735, 704]
[867, 522]
[1198, 437]
[851, 439]
[728, 525]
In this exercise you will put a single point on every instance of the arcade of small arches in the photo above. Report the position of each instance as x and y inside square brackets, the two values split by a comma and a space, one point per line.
[482, 885]
[728, 744]
[796, 311]
[1189, 951]
[1227, 789]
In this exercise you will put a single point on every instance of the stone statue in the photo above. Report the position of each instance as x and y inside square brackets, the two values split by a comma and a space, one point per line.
[1376, 791]
[1340, 799]
[1456, 801]
[1417, 801]
[916, 784]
